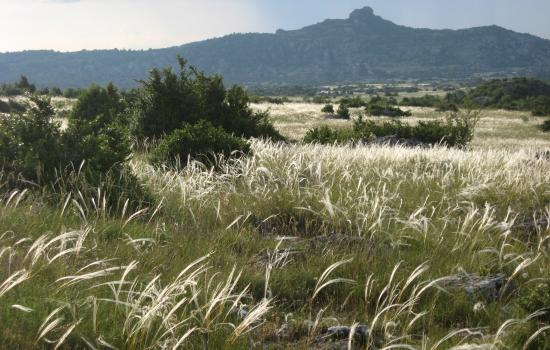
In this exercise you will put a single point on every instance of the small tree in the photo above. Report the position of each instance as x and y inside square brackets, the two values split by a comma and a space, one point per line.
[343, 112]
[328, 108]
[25, 85]
[168, 100]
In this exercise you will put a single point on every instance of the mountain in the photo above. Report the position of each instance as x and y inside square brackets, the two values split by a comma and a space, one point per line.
[363, 47]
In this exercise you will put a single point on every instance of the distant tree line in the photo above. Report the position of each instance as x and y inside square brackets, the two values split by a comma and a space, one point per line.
[24, 86]
[525, 94]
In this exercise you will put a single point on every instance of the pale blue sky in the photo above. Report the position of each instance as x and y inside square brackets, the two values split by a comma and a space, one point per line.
[70, 25]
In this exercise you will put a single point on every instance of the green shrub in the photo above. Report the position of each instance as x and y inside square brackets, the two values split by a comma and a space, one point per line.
[537, 299]
[546, 126]
[457, 130]
[386, 111]
[516, 94]
[447, 107]
[201, 141]
[353, 102]
[96, 101]
[167, 101]
[119, 188]
[343, 112]
[541, 106]
[55, 91]
[97, 133]
[90, 154]
[268, 99]
[71, 93]
[329, 108]
[460, 128]
[19, 88]
[4, 107]
[30, 143]
[424, 101]
[323, 135]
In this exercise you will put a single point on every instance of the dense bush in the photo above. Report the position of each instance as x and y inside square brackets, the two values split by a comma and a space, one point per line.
[516, 94]
[30, 143]
[378, 110]
[353, 102]
[541, 106]
[343, 112]
[4, 107]
[167, 101]
[55, 91]
[268, 99]
[328, 108]
[97, 132]
[424, 101]
[380, 106]
[91, 153]
[537, 299]
[71, 93]
[456, 130]
[445, 106]
[546, 126]
[19, 88]
[326, 135]
[201, 141]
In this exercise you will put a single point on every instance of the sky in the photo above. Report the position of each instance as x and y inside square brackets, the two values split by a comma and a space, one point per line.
[71, 25]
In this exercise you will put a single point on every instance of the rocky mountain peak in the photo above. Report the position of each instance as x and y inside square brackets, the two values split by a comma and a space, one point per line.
[362, 14]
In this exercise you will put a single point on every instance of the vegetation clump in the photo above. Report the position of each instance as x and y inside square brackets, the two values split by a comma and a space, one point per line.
[515, 94]
[97, 131]
[456, 130]
[30, 143]
[353, 102]
[423, 101]
[328, 108]
[343, 112]
[379, 106]
[202, 141]
[167, 101]
[91, 152]
[269, 99]
[21, 87]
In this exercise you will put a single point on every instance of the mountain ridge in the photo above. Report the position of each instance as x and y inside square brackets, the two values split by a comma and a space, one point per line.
[362, 47]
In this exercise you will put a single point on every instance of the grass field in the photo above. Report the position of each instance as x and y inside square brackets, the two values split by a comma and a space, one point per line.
[430, 248]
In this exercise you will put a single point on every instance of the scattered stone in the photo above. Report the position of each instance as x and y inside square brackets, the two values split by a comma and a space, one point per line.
[361, 333]
[534, 223]
[489, 287]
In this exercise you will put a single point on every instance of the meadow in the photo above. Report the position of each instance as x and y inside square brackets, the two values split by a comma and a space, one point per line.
[295, 246]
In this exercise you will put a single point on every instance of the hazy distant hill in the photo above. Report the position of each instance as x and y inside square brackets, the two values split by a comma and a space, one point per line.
[363, 47]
